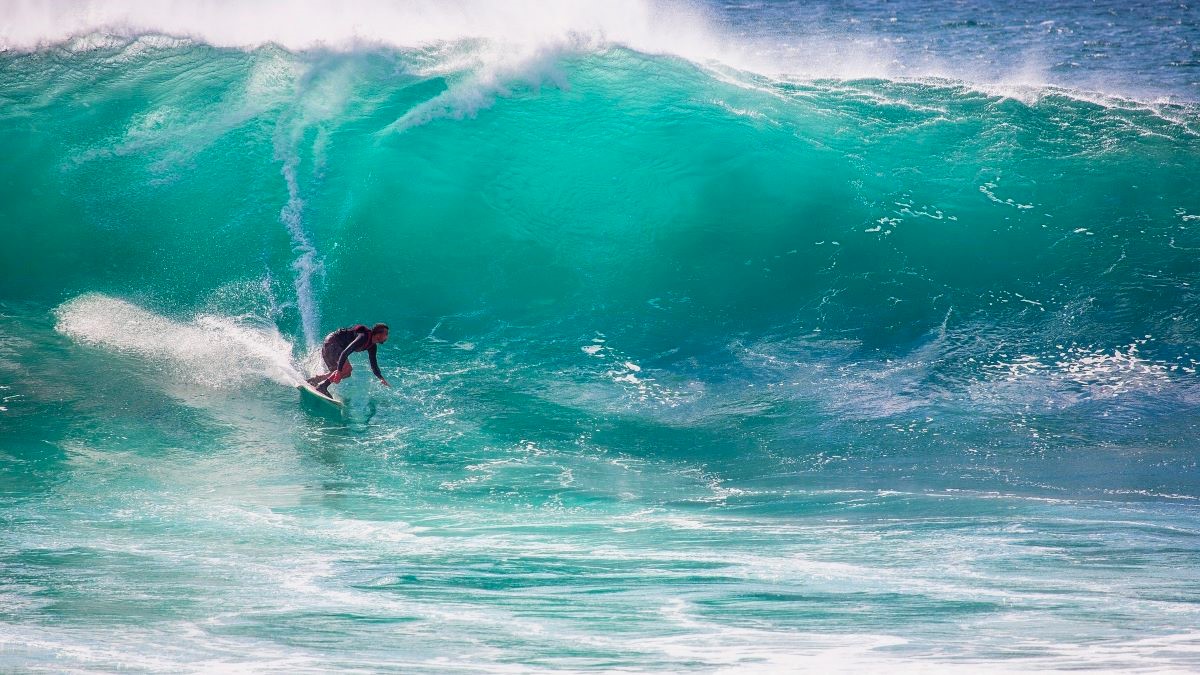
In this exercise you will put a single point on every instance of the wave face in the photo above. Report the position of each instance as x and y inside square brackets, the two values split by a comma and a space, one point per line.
[694, 366]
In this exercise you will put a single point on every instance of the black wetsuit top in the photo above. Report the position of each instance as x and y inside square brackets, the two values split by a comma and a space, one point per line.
[344, 341]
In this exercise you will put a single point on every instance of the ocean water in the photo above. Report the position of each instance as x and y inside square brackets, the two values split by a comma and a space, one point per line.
[738, 336]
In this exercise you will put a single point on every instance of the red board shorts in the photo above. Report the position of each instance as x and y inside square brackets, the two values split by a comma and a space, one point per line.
[330, 352]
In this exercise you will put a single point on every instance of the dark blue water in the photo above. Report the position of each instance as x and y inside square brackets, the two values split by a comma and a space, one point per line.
[1145, 50]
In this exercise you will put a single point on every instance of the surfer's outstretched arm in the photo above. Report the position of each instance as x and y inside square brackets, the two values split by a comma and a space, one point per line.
[375, 366]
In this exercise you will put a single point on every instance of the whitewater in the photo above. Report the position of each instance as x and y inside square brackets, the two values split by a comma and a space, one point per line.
[726, 336]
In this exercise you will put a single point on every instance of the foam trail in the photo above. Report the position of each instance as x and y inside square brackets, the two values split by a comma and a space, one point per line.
[211, 350]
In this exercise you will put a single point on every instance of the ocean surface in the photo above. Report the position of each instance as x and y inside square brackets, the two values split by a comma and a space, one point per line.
[726, 336]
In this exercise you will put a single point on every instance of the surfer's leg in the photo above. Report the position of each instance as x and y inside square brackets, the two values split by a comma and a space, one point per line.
[329, 354]
[334, 378]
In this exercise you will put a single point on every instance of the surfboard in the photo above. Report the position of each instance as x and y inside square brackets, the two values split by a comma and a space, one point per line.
[307, 389]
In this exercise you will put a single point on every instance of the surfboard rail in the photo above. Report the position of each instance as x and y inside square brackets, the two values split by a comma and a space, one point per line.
[307, 389]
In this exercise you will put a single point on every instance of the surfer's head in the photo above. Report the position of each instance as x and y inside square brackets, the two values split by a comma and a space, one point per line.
[379, 333]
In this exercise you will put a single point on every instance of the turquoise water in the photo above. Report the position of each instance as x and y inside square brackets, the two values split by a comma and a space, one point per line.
[695, 366]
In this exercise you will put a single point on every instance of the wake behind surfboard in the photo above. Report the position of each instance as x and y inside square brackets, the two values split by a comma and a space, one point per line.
[309, 391]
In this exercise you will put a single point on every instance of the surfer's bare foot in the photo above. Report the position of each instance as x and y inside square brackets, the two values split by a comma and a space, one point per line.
[324, 389]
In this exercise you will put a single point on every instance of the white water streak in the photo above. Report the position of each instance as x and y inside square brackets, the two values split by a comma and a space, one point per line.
[210, 350]
[308, 264]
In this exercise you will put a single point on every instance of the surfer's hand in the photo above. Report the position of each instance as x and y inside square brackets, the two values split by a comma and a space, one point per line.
[384, 382]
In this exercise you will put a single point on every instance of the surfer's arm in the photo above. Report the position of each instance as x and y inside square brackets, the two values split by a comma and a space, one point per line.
[351, 348]
[375, 365]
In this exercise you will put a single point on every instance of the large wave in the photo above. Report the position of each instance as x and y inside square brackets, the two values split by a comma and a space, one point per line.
[871, 248]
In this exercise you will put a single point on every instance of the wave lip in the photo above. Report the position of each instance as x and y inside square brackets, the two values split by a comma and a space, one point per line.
[773, 39]
[514, 31]
[302, 24]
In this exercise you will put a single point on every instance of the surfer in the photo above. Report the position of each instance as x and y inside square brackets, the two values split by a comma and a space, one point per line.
[337, 349]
